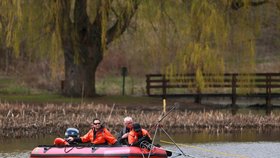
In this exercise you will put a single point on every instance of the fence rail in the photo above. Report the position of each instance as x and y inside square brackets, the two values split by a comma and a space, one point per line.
[233, 85]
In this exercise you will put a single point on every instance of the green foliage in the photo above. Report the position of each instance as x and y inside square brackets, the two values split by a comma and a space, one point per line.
[12, 91]
[5, 81]
[104, 14]
[38, 98]
[206, 37]
[92, 9]
[177, 37]
[111, 85]
[15, 90]
[10, 86]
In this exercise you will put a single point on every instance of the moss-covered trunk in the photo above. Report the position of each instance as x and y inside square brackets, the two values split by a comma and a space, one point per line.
[80, 75]
[81, 43]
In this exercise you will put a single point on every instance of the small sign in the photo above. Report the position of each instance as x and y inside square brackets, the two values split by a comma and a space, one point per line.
[124, 71]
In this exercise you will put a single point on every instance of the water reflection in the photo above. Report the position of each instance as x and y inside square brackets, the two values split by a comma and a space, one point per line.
[230, 150]
[246, 135]
[23, 144]
[245, 144]
[20, 154]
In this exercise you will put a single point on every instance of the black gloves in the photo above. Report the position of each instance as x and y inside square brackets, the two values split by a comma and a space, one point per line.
[144, 138]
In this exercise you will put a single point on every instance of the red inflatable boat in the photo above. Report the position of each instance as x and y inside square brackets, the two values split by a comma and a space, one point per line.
[92, 152]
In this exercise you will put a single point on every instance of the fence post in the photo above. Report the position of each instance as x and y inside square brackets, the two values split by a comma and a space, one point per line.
[164, 86]
[233, 90]
[198, 96]
[148, 84]
[268, 94]
[233, 93]
[62, 85]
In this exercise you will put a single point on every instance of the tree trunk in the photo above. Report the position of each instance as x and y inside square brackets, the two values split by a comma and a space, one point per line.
[80, 75]
[79, 80]
[81, 43]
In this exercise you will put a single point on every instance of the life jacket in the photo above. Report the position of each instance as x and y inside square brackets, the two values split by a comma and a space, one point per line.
[133, 136]
[102, 136]
[60, 142]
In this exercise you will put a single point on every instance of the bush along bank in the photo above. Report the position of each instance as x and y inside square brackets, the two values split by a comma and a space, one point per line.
[24, 120]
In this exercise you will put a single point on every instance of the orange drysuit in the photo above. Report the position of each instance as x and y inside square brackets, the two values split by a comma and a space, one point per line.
[102, 136]
[133, 136]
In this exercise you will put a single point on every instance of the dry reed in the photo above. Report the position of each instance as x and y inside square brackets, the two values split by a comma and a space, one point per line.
[24, 120]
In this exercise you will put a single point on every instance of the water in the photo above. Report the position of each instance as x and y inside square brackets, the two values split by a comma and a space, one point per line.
[245, 144]
[248, 144]
[230, 150]
[21, 148]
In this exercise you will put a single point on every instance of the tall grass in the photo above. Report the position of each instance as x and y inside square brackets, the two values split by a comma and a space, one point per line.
[25, 120]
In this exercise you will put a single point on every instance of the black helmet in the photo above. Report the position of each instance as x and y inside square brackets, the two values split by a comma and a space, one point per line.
[137, 127]
[71, 132]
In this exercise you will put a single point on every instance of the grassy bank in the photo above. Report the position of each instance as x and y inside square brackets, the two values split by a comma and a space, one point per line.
[14, 91]
[26, 120]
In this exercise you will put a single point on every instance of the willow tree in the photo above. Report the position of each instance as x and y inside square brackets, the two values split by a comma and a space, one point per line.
[200, 37]
[3, 35]
[83, 29]
[7, 26]
[80, 29]
[85, 35]
[186, 36]
[216, 33]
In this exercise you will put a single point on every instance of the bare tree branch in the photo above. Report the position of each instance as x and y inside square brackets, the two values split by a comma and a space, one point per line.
[237, 4]
[122, 23]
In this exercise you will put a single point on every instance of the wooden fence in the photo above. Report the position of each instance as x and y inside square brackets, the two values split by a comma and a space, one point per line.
[233, 85]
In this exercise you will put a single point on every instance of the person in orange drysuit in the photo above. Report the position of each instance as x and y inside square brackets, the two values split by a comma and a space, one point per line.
[138, 135]
[98, 135]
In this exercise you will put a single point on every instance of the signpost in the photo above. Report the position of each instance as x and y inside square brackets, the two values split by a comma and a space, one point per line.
[123, 73]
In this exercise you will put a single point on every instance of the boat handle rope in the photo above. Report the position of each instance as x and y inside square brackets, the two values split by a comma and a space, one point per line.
[67, 151]
[72, 147]
[46, 149]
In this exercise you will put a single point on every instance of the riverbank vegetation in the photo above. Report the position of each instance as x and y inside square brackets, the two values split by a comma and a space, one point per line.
[27, 120]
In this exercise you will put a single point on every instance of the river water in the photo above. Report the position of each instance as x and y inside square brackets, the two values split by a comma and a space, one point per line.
[246, 144]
